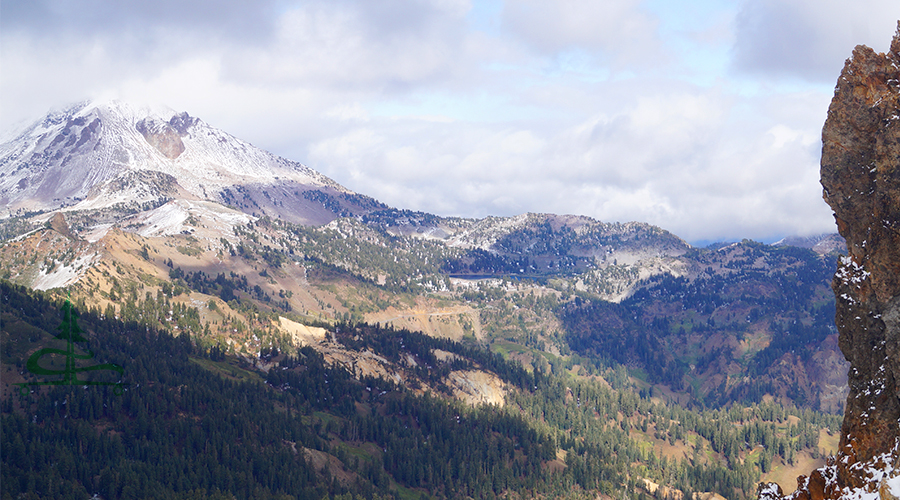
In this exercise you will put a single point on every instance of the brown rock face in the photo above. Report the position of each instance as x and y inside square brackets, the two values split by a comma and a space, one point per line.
[163, 137]
[58, 223]
[861, 180]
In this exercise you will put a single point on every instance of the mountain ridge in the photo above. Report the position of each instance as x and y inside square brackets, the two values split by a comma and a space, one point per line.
[41, 164]
[379, 253]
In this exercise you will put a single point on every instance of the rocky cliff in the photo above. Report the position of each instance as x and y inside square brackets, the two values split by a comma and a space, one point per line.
[861, 180]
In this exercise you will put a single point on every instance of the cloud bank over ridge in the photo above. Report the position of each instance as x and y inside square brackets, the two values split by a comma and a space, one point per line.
[703, 119]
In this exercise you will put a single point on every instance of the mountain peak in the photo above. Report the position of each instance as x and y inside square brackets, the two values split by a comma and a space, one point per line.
[68, 155]
[131, 109]
[127, 110]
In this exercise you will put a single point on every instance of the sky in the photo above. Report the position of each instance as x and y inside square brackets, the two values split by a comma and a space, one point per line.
[703, 117]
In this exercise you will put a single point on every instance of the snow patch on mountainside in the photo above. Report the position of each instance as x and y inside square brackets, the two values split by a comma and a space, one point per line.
[117, 191]
[205, 217]
[484, 233]
[96, 233]
[64, 275]
[164, 221]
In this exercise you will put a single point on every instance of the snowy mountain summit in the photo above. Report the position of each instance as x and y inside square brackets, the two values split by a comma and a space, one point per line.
[105, 154]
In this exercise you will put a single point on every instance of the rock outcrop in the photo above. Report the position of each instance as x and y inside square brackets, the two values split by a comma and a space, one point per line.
[161, 136]
[861, 180]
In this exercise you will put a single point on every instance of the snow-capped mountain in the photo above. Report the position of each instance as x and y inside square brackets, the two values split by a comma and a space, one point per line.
[87, 157]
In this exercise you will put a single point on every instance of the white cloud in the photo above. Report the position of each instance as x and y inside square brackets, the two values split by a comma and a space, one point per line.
[608, 109]
[353, 46]
[809, 39]
[617, 29]
[694, 163]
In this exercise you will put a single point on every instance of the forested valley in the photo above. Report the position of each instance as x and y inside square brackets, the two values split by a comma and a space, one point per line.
[193, 419]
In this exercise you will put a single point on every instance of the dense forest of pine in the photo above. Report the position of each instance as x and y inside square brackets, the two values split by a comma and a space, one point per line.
[189, 421]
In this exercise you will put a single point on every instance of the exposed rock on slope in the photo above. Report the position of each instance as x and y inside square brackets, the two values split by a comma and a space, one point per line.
[861, 180]
[161, 136]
